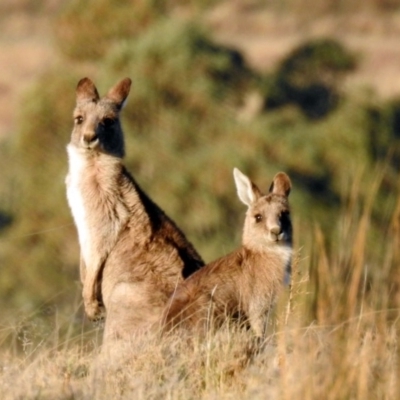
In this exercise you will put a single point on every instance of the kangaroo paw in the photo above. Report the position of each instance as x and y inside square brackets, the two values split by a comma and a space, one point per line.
[94, 310]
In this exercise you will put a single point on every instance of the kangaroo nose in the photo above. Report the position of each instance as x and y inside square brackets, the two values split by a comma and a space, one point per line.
[276, 230]
[89, 138]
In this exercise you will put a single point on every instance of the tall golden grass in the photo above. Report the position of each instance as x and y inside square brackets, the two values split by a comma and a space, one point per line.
[333, 335]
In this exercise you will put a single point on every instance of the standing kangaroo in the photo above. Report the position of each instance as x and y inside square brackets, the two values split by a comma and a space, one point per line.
[132, 254]
[245, 282]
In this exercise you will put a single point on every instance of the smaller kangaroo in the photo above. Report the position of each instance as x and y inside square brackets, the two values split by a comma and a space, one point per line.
[132, 254]
[246, 282]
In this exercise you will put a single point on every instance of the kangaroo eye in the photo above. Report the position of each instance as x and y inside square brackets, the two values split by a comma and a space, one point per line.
[79, 119]
[258, 217]
[107, 122]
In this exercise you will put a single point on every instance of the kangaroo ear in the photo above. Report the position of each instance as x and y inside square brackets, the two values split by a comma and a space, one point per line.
[281, 184]
[86, 90]
[247, 191]
[119, 92]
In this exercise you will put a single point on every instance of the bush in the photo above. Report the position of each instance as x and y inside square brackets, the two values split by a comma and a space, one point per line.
[175, 66]
[36, 257]
[384, 131]
[310, 77]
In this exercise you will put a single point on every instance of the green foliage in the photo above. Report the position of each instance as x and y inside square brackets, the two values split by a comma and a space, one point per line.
[384, 130]
[176, 66]
[309, 77]
[321, 59]
[34, 251]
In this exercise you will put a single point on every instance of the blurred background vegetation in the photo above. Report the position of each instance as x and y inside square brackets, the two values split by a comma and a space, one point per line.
[197, 109]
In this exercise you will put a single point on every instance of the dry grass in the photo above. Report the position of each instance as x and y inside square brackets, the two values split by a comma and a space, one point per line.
[356, 359]
[334, 336]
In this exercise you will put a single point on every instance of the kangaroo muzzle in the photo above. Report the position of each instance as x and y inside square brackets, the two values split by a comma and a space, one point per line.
[89, 139]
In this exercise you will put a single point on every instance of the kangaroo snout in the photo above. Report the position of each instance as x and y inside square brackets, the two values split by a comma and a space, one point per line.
[89, 139]
[276, 233]
[275, 229]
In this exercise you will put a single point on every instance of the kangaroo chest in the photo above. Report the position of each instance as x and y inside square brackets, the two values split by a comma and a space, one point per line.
[97, 216]
[270, 270]
[284, 253]
[75, 197]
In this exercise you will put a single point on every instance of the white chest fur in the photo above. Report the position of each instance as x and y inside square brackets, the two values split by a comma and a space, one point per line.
[77, 167]
[285, 253]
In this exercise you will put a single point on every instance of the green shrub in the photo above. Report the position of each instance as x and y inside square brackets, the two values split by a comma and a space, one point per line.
[35, 251]
[384, 130]
[309, 77]
[176, 66]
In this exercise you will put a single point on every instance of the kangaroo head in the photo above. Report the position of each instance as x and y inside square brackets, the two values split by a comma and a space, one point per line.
[97, 127]
[268, 216]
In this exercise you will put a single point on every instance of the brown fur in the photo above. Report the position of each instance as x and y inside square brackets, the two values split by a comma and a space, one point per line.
[132, 254]
[245, 282]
